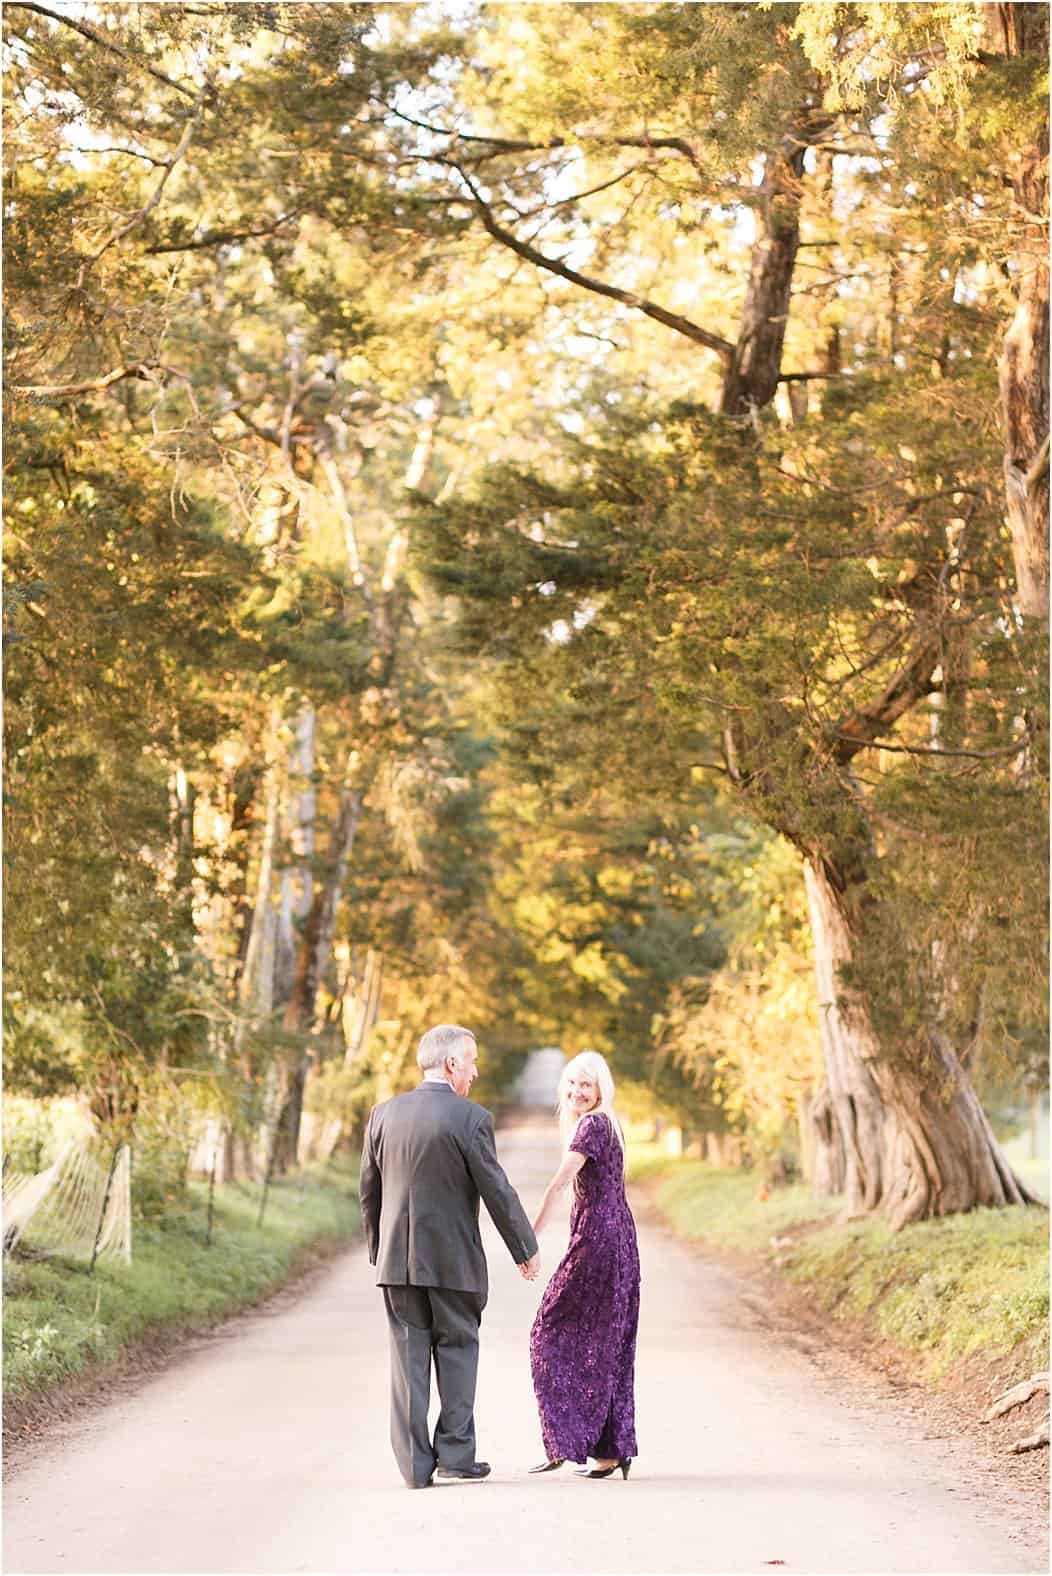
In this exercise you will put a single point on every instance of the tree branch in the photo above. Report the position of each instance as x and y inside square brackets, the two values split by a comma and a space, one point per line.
[972, 755]
[268, 434]
[350, 535]
[225, 237]
[98, 38]
[500, 145]
[907, 687]
[681, 325]
[131, 153]
[674, 144]
[140, 213]
[563, 202]
[146, 370]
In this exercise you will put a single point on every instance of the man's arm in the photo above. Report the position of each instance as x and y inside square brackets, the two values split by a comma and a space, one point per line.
[498, 1195]
[370, 1192]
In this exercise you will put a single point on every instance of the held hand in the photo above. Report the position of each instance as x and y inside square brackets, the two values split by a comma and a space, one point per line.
[530, 1269]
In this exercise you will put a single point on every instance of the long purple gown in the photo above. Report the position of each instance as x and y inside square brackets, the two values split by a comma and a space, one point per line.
[583, 1341]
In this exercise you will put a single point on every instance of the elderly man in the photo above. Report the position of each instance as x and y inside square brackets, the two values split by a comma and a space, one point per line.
[429, 1156]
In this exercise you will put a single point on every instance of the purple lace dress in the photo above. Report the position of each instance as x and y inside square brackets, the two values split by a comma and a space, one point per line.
[583, 1341]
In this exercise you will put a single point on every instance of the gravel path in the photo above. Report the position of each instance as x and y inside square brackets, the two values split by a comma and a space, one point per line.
[264, 1449]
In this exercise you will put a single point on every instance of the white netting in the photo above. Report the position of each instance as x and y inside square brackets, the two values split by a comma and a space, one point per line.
[60, 1209]
[22, 1197]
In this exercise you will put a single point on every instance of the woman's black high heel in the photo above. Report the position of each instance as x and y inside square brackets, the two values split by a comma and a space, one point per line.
[624, 1462]
[546, 1466]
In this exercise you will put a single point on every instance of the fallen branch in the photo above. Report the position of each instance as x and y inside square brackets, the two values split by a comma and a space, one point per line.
[1032, 1441]
[1018, 1395]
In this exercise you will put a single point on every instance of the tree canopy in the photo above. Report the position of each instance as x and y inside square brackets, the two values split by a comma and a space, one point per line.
[533, 516]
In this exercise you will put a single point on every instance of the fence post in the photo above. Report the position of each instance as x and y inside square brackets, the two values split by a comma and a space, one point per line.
[102, 1211]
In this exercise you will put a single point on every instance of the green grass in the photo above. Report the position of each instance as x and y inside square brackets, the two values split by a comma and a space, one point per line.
[723, 1207]
[60, 1321]
[950, 1289]
[1032, 1172]
[974, 1284]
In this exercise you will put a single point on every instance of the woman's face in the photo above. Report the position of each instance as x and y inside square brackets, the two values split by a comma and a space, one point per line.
[582, 1093]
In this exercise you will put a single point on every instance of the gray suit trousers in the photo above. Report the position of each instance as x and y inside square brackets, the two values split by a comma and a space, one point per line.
[425, 1323]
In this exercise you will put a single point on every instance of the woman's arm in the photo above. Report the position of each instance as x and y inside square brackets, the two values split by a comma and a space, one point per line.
[572, 1163]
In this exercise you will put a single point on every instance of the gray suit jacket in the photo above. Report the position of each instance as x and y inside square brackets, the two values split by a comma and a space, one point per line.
[428, 1157]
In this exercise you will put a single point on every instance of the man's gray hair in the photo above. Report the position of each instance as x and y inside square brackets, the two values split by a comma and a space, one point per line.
[438, 1043]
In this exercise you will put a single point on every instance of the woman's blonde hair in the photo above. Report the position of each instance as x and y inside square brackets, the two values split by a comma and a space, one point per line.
[593, 1066]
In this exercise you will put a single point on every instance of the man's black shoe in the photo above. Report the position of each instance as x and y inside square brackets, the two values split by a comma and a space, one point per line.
[478, 1469]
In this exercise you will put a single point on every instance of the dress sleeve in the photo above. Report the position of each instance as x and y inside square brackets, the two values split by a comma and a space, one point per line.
[592, 1136]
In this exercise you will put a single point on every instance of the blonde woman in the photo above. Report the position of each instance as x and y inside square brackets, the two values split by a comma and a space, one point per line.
[583, 1341]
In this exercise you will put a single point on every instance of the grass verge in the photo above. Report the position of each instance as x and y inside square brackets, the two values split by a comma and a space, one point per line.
[61, 1323]
[945, 1291]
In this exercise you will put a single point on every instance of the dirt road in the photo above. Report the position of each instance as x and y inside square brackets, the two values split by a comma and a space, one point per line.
[265, 1450]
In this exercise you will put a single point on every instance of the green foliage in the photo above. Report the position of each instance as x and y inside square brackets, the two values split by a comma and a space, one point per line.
[344, 1093]
[968, 1284]
[705, 581]
[35, 1132]
[117, 675]
[749, 1042]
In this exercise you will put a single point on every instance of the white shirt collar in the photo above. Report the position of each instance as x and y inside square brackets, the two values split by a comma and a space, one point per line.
[434, 1077]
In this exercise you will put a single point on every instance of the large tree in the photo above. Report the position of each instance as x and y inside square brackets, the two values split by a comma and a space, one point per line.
[814, 591]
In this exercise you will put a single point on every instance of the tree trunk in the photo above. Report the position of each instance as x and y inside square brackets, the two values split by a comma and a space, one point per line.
[1023, 376]
[311, 959]
[754, 370]
[917, 1142]
[243, 795]
[316, 941]
[297, 880]
[361, 1006]
[181, 817]
[1015, 31]
[256, 985]
[854, 1105]
[821, 1142]
[1035, 1123]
